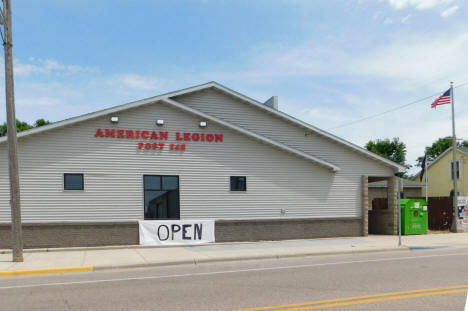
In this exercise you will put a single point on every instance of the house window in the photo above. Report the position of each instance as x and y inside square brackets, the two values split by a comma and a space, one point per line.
[73, 182]
[458, 169]
[161, 197]
[238, 183]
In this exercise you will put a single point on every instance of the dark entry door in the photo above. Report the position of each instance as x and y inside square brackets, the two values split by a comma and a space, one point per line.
[161, 197]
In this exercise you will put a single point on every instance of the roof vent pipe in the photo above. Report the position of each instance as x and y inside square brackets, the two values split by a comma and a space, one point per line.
[272, 102]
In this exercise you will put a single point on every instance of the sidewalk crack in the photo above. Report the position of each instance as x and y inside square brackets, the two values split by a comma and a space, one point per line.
[141, 256]
[84, 258]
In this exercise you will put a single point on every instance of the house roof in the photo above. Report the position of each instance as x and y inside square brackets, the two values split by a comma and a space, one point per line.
[167, 97]
[463, 150]
[252, 135]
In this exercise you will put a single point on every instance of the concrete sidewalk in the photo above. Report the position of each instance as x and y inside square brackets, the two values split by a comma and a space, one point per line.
[88, 259]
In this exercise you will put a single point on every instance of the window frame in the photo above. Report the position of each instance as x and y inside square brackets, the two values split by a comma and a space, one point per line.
[74, 174]
[231, 183]
[458, 169]
[161, 189]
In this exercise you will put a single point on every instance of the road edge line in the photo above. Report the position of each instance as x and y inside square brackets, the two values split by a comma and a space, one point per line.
[46, 271]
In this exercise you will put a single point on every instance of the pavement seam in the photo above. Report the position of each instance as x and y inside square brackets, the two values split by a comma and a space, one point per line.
[141, 256]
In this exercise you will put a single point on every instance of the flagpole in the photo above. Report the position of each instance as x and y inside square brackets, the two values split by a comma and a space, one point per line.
[427, 177]
[454, 166]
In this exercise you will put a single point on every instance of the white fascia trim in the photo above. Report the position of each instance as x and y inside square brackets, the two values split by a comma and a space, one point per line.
[245, 132]
[82, 118]
[304, 124]
[107, 111]
[196, 88]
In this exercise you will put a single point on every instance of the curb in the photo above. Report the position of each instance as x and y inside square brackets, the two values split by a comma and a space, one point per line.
[195, 261]
[46, 271]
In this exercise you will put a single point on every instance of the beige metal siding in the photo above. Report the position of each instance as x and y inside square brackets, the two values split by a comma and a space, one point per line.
[114, 168]
[345, 188]
[262, 122]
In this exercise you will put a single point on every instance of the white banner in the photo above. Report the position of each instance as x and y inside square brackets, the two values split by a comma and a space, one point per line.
[463, 212]
[176, 232]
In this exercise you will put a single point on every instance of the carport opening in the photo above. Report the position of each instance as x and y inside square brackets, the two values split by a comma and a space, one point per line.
[382, 205]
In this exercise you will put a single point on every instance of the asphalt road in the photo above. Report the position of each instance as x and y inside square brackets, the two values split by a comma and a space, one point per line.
[400, 280]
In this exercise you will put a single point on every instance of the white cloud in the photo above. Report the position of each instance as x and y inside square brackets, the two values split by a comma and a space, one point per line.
[449, 11]
[418, 4]
[418, 58]
[136, 81]
[47, 67]
[324, 115]
[405, 20]
[39, 101]
[423, 59]
[401, 20]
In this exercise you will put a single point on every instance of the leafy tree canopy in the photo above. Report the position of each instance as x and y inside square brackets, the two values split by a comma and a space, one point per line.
[438, 147]
[394, 150]
[41, 122]
[22, 126]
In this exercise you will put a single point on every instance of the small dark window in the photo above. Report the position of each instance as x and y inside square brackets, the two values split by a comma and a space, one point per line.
[458, 170]
[73, 182]
[238, 183]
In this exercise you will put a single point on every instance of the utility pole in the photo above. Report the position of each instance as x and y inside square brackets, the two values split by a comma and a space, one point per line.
[17, 232]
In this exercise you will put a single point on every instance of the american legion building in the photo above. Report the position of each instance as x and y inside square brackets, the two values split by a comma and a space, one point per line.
[203, 153]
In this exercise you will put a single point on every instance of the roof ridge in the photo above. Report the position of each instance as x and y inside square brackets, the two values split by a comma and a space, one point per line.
[252, 134]
[199, 87]
[309, 126]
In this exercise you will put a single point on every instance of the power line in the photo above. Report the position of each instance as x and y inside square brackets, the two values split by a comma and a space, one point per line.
[392, 110]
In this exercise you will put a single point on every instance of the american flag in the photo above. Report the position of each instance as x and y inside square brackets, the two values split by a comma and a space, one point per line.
[442, 99]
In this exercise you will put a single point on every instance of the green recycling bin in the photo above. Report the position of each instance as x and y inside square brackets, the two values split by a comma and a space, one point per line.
[413, 216]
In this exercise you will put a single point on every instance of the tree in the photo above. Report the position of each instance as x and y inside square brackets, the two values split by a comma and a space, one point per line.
[394, 150]
[22, 126]
[41, 122]
[438, 147]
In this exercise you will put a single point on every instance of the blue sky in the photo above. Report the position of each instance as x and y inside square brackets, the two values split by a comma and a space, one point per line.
[330, 62]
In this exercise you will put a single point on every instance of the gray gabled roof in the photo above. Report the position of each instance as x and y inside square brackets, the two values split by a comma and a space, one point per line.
[305, 125]
[252, 135]
[167, 96]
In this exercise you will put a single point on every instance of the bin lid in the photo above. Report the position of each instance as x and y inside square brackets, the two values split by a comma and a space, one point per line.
[410, 202]
[406, 202]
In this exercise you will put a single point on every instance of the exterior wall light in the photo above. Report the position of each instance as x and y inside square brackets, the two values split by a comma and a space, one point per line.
[114, 119]
[160, 122]
[202, 124]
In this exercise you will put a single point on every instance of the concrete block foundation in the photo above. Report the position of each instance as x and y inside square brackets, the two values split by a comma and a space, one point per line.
[53, 235]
